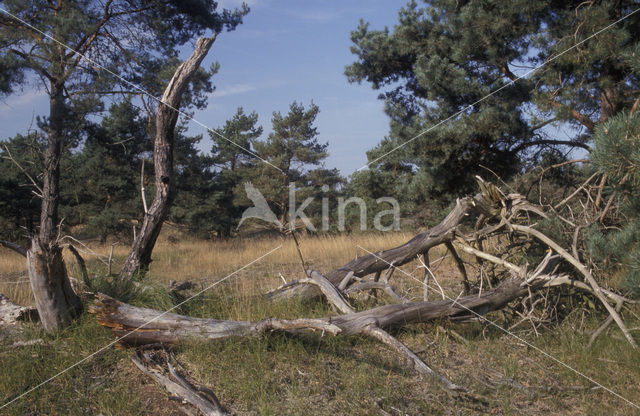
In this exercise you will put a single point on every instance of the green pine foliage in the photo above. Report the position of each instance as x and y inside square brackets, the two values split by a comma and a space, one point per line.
[617, 153]
[293, 148]
[445, 56]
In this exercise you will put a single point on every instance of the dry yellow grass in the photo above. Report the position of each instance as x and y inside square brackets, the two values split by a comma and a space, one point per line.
[281, 375]
[207, 261]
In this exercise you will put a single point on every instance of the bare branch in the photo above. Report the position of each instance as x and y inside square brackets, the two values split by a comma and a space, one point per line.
[15, 162]
[14, 247]
[583, 270]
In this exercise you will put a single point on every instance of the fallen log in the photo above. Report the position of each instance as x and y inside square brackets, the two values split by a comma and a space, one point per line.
[200, 397]
[483, 205]
[139, 326]
[10, 313]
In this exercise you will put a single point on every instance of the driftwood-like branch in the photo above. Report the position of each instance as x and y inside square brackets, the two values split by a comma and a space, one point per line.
[421, 243]
[81, 263]
[14, 247]
[415, 362]
[487, 204]
[140, 326]
[604, 326]
[493, 259]
[597, 291]
[10, 313]
[177, 385]
[332, 294]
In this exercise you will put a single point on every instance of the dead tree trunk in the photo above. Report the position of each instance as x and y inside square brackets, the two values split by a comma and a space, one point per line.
[141, 326]
[10, 313]
[175, 384]
[139, 256]
[420, 244]
[56, 301]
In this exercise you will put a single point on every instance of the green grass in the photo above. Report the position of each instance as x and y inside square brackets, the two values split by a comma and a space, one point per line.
[90, 388]
[277, 374]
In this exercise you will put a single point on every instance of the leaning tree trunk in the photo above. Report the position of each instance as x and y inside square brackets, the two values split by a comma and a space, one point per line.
[56, 301]
[420, 244]
[140, 254]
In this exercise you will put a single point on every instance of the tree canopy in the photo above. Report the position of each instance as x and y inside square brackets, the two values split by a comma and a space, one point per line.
[461, 62]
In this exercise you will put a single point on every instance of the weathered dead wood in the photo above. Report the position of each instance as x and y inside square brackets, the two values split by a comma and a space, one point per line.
[346, 281]
[177, 385]
[14, 247]
[332, 294]
[416, 363]
[486, 204]
[55, 299]
[493, 259]
[421, 243]
[139, 256]
[604, 326]
[10, 313]
[140, 326]
[597, 291]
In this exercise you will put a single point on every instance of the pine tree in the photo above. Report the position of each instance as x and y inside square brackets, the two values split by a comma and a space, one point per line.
[102, 192]
[294, 149]
[615, 241]
[233, 154]
[134, 39]
[446, 56]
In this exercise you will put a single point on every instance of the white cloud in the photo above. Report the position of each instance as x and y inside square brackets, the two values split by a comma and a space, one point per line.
[315, 15]
[233, 90]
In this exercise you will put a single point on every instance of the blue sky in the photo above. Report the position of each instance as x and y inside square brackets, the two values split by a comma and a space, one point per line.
[284, 51]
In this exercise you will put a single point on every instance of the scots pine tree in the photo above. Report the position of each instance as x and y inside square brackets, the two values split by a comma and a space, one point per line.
[134, 39]
[615, 241]
[233, 155]
[456, 61]
[293, 148]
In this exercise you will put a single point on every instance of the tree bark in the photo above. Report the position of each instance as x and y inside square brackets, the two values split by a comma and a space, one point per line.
[139, 256]
[56, 301]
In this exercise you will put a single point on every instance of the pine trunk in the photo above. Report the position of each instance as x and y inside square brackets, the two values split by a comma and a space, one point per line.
[139, 256]
[56, 301]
